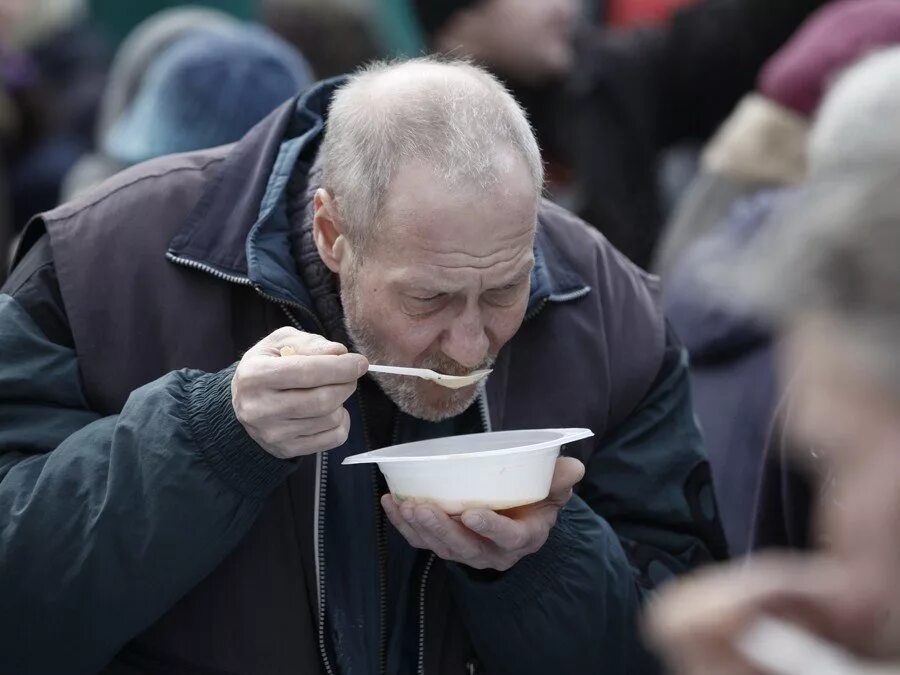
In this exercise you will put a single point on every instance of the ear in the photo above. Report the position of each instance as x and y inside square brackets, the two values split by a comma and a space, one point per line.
[329, 232]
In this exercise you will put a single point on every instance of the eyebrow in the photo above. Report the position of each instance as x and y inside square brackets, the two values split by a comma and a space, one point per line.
[427, 285]
[516, 280]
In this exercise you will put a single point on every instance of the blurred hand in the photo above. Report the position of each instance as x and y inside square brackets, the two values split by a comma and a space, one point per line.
[695, 623]
[294, 405]
[484, 539]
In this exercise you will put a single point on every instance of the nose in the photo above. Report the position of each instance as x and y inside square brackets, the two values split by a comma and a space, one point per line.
[466, 341]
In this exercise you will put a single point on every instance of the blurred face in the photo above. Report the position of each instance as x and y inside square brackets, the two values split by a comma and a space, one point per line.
[525, 40]
[445, 285]
[853, 426]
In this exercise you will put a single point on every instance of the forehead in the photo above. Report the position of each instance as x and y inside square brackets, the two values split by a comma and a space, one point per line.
[430, 217]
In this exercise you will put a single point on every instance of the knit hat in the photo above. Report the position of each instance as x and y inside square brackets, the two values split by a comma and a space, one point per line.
[434, 14]
[856, 124]
[832, 39]
[207, 89]
[142, 48]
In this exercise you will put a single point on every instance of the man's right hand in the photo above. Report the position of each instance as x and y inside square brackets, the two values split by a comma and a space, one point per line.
[294, 405]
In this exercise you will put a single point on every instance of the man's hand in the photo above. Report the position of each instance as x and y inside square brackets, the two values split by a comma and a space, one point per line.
[294, 405]
[483, 539]
[696, 622]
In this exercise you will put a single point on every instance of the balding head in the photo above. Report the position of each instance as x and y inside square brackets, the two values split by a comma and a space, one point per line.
[452, 117]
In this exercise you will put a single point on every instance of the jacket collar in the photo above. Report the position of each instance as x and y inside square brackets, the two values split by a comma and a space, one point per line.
[239, 231]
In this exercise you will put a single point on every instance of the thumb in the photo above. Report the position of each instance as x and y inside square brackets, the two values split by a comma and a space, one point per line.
[568, 472]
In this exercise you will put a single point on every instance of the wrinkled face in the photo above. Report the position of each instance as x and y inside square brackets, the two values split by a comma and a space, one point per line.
[527, 40]
[444, 285]
[853, 427]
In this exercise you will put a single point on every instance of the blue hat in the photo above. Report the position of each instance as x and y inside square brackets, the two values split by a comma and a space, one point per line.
[207, 89]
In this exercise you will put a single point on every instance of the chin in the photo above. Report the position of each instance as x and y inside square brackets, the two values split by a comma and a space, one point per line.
[436, 406]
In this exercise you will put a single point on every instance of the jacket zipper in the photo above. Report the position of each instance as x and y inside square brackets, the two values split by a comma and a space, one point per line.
[423, 585]
[193, 264]
[381, 544]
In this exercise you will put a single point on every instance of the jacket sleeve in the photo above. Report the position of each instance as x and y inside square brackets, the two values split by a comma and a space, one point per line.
[644, 513]
[106, 522]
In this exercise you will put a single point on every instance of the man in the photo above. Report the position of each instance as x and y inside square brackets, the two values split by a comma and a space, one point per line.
[831, 282]
[166, 510]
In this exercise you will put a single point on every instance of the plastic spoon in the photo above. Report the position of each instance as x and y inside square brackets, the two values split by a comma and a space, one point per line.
[449, 381]
[783, 648]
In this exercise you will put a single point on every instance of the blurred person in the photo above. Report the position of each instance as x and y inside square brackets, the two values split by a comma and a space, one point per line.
[854, 127]
[336, 38]
[166, 501]
[829, 278]
[606, 103]
[53, 67]
[761, 148]
[188, 79]
[762, 144]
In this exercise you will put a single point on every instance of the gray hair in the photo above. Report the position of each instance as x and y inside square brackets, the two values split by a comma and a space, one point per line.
[451, 115]
[857, 122]
[834, 251]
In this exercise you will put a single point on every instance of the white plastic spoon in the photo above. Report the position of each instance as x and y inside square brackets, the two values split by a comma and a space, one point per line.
[449, 381]
[783, 648]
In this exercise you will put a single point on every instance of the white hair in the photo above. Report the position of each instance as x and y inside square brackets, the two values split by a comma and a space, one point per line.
[452, 116]
[857, 122]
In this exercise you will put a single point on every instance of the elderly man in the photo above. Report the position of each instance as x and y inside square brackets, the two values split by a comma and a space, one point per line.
[165, 510]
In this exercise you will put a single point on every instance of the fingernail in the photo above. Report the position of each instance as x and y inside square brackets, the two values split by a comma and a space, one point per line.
[474, 521]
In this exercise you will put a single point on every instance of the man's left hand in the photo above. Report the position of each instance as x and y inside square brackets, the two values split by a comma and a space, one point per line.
[484, 539]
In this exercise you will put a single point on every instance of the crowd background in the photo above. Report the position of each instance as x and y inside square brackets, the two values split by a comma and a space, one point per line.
[675, 127]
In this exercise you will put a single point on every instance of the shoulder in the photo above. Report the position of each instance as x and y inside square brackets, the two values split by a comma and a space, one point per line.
[622, 312]
[163, 183]
[590, 255]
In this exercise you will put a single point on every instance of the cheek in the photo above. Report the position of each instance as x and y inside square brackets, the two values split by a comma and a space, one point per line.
[501, 325]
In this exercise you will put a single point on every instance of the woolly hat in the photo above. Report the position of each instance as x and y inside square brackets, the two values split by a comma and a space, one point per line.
[832, 39]
[207, 89]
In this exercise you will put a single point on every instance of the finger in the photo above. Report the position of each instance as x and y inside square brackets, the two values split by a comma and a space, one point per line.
[393, 514]
[282, 431]
[436, 524]
[307, 371]
[309, 445]
[288, 339]
[430, 542]
[301, 404]
[506, 533]
[275, 407]
[567, 473]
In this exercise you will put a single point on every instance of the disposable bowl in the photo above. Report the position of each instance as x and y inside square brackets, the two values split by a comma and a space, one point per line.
[498, 470]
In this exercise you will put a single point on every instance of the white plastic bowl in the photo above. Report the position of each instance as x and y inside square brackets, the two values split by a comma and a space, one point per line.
[498, 470]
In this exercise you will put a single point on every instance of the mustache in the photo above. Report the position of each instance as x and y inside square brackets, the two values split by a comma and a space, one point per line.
[442, 363]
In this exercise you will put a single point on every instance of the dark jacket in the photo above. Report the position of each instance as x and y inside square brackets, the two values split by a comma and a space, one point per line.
[732, 361]
[142, 528]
